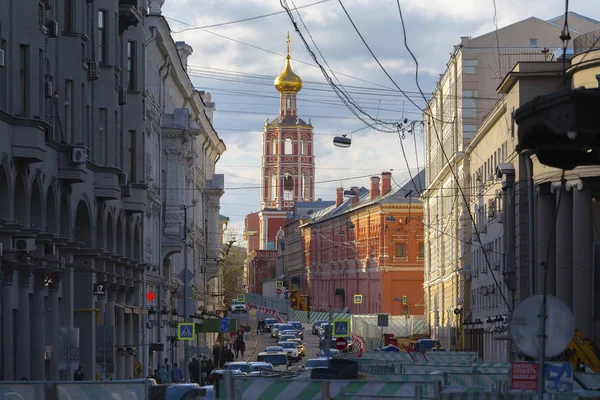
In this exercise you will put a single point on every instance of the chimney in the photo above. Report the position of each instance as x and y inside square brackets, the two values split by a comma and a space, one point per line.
[374, 187]
[184, 50]
[356, 190]
[339, 196]
[386, 183]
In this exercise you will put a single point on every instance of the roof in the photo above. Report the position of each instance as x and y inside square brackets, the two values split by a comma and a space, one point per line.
[406, 194]
[574, 14]
[304, 209]
[222, 217]
[287, 121]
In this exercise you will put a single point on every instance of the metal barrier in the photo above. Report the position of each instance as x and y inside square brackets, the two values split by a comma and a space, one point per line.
[81, 390]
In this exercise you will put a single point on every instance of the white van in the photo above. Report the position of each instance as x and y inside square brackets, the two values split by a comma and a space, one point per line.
[278, 359]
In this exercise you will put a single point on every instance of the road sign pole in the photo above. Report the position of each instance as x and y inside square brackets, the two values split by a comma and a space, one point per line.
[185, 294]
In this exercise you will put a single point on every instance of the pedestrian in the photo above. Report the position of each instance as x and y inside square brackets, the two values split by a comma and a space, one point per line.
[168, 367]
[239, 340]
[78, 374]
[230, 356]
[216, 354]
[242, 347]
[155, 376]
[176, 374]
[163, 375]
[192, 368]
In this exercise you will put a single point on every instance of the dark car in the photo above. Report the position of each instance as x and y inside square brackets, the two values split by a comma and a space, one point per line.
[315, 325]
[176, 391]
[269, 322]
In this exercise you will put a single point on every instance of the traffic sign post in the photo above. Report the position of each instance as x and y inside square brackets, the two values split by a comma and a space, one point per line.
[241, 298]
[279, 284]
[341, 343]
[358, 298]
[186, 331]
[279, 291]
[341, 328]
[224, 325]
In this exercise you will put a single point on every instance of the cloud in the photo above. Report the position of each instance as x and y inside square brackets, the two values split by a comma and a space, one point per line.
[254, 50]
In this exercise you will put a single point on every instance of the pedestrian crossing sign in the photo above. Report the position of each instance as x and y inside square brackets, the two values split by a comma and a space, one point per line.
[241, 298]
[186, 331]
[358, 299]
[279, 284]
[341, 327]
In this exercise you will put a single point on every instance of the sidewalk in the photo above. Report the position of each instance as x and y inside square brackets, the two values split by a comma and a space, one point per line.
[255, 349]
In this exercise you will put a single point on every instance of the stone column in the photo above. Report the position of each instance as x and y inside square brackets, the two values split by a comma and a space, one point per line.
[8, 325]
[85, 316]
[67, 303]
[120, 338]
[23, 344]
[564, 246]
[110, 322]
[52, 325]
[583, 258]
[129, 342]
[38, 328]
[546, 239]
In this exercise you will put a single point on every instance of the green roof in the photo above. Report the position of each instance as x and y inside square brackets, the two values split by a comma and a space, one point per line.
[222, 217]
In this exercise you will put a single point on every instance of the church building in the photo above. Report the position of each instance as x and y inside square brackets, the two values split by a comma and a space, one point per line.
[287, 177]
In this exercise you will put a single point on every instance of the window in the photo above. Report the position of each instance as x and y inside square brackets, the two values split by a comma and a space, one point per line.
[288, 147]
[533, 42]
[273, 188]
[69, 114]
[83, 55]
[131, 65]
[469, 66]
[288, 103]
[41, 14]
[88, 128]
[288, 187]
[23, 79]
[421, 250]
[68, 23]
[101, 138]
[131, 156]
[400, 250]
[306, 186]
[102, 36]
[304, 147]
[273, 147]
[41, 88]
[469, 131]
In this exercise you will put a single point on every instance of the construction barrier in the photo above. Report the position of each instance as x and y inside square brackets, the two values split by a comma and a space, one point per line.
[82, 390]
[285, 389]
[445, 357]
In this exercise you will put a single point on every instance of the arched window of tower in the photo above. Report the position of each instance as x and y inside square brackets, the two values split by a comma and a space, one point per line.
[289, 146]
[288, 187]
[273, 187]
[304, 147]
[273, 148]
[306, 186]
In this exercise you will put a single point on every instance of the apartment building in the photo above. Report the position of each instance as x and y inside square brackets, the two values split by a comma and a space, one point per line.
[80, 193]
[463, 97]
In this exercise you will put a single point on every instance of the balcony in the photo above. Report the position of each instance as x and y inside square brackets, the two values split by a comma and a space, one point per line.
[28, 140]
[136, 201]
[586, 42]
[129, 14]
[106, 186]
[70, 171]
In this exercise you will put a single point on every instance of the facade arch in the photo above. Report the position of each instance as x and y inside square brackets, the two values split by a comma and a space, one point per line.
[51, 211]
[137, 243]
[5, 193]
[100, 232]
[83, 222]
[37, 204]
[128, 238]
[20, 200]
[65, 216]
[110, 232]
[119, 238]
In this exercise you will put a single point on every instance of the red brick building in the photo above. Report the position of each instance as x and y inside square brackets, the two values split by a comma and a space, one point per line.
[369, 244]
[287, 176]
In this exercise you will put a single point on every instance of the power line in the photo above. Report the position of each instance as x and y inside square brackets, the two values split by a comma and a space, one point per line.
[242, 20]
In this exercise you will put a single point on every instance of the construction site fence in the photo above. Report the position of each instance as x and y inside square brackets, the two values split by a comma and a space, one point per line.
[80, 390]
[279, 305]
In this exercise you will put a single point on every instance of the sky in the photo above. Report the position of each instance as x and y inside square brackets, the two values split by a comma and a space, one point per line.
[237, 63]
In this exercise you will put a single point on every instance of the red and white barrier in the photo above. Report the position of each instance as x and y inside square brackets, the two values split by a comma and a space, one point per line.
[358, 343]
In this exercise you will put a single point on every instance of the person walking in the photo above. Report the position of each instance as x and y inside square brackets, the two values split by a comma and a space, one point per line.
[163, 374]
[216, 353]
[78, 374]
[176, 374]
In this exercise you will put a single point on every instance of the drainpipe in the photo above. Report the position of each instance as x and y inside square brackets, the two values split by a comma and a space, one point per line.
[530, 218]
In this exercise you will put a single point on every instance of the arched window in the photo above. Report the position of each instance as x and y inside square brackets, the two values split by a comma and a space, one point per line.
[304, 147]
[289, 146]
[288, 187]
[306, 186]
[273, 188]
[273, 148]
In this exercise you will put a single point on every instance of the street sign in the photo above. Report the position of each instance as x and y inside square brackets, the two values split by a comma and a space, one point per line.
[100, 289]
[224, 325]
[358, 299]
[382, 320]
[404, 300]
[341, 343]
[241, 298]
[341, 327]
[279, 284]
[559, 377]
[279, 291]
[186, 331]
[523, 375]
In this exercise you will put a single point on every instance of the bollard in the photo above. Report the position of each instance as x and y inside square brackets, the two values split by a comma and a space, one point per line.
[228, 385]
[325, 391]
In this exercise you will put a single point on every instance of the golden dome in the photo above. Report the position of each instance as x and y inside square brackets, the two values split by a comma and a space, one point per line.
[288, 81]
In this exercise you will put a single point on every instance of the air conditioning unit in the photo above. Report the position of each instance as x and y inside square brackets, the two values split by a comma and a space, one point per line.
[24, 244]
[62, 263]
[123, 179]
[52, 27]
[122, 96]
[78, 155]
[48, 4]
[93, 71]
[1, 58]
[49, 89]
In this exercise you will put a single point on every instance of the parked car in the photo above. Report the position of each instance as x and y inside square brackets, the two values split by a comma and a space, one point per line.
[174, 391]
[269, 322]
[315, 327]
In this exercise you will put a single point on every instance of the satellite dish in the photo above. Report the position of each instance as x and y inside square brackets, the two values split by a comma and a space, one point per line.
[525, 326]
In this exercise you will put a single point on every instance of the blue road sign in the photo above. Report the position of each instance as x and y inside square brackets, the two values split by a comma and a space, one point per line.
[224, 325]
[341, 327]
[185, 331]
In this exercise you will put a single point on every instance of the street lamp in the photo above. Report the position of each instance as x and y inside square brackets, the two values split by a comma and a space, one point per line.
[342, 141]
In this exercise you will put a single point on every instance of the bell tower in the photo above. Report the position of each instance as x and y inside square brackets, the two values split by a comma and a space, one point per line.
[288, 160]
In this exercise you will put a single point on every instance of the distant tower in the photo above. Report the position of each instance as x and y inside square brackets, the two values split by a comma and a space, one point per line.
[288, 167]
